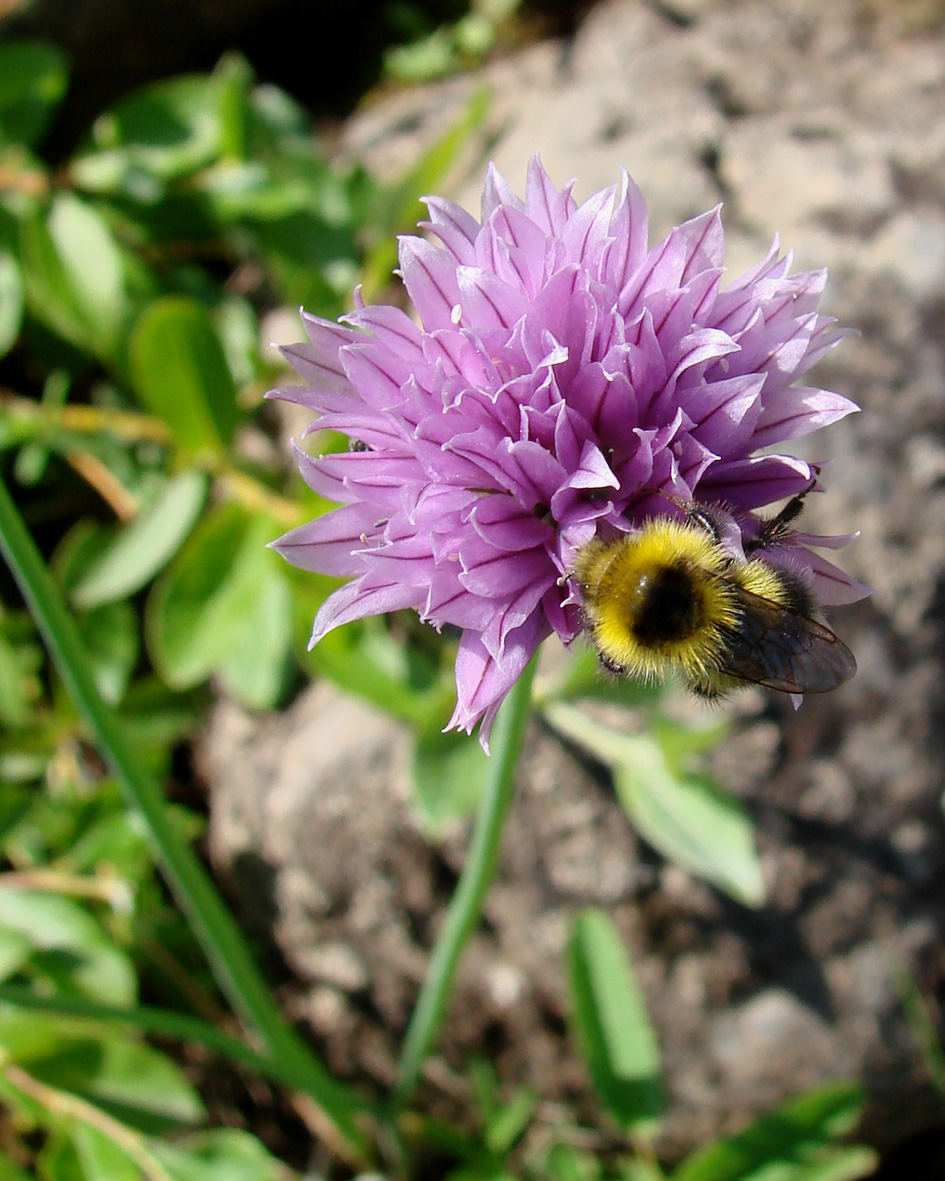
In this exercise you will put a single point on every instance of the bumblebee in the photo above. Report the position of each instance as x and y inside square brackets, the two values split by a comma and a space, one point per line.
[672, 598]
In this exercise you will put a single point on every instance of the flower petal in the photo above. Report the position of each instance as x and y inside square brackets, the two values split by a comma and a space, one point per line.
[357, 599]
[330, 543]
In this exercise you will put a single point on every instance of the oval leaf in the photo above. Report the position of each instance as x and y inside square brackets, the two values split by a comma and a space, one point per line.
[169, 129]
[180, 373]
[101, 1159]
[222, 1154]
[196, 614]
[681, 814]
[111, 640]
[33, 81]
[256, 666]
[74, 275]
[689, 820]
[93, 264]
[78, 953]
[144, 547]
[449, 771]
[129, 1079]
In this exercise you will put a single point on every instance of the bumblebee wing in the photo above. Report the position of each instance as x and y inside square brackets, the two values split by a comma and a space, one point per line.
[782, 650]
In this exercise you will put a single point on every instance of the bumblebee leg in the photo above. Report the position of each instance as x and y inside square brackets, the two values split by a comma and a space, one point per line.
[702, 517]
[776, 528]
[611, 665]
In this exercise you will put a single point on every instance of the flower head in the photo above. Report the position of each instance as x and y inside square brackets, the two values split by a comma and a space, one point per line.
[564, 380]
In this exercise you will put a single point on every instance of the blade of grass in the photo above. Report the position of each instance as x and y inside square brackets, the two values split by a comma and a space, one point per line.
[151, 1019]
[921, 1022]
[211, 922]
[466, 905]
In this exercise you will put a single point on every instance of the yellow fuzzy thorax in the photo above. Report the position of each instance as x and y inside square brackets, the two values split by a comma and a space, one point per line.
[619, 582]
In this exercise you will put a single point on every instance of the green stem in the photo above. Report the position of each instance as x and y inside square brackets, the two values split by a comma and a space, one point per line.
[211, 922]
[121, 424]
[466, 905]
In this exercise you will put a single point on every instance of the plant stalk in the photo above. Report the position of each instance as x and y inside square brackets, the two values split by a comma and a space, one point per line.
[466, 906]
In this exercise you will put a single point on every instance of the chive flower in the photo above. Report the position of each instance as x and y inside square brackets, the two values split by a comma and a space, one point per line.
[559, 380]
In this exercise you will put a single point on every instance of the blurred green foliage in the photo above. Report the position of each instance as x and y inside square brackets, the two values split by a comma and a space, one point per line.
[448, 48]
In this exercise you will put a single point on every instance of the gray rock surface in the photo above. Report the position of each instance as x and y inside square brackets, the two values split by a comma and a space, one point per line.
[822, 122]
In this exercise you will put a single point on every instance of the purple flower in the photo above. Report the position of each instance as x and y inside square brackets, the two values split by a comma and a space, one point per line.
[562, 377]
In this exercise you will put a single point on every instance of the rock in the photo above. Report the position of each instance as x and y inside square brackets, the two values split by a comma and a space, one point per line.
[792, 181]
[911, 248]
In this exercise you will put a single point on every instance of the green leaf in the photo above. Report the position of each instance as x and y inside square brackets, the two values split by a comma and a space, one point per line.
[128, 1079]
[509, 1122]
[111, 638]
[238, 328]
[209, 920]
[256, 667]
[179, 372]
[69, 944]
[200, 608]
[77, 551]
[15, 950]
[11, 300]
[794, 1143]
[681, 814]
[224, 1154]
[565, 1163]
[57, 1160]
[922, 1024]
[612, 1023]
[278, 118]
[143, 548]
[16, 802]
[308, 256]
[74, 275]
[155, 718]
[366, 659]
[431, 57]
[168, 130]
[31, 459]
[449, 771]
[33, 81]
[116, 845]
[25, 1035]
[93, 262]
[234, 79]
[15, 694]
[690, 821]
[844, 1164]
[101, 1159]
[476, 32]
[49, 291]
[639, 1169]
